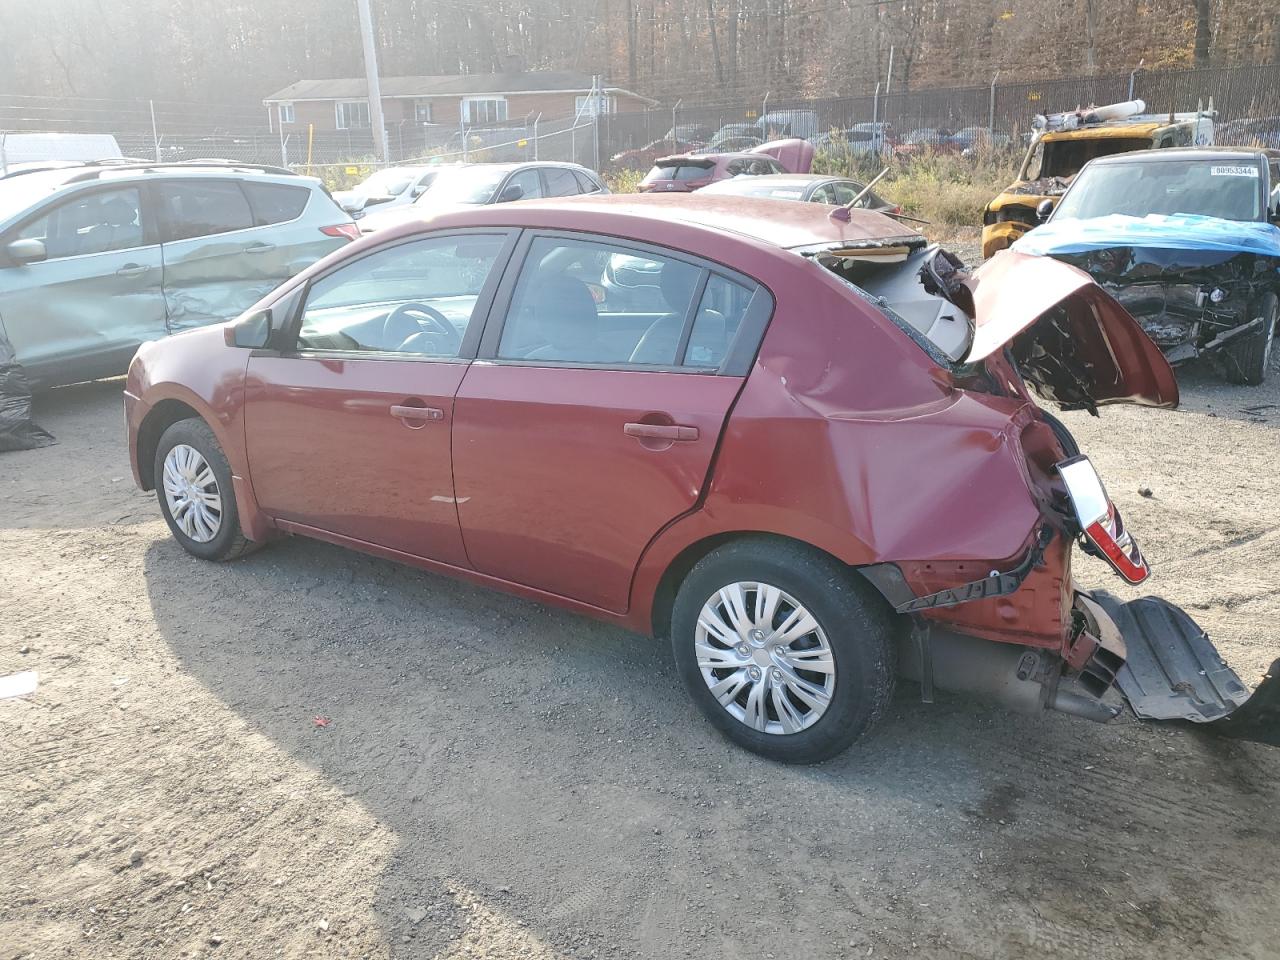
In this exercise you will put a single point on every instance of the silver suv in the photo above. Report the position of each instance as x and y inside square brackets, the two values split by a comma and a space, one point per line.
[97, 259]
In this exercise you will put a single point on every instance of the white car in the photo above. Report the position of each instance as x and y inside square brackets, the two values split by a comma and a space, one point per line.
[390, 187]
[476, 184]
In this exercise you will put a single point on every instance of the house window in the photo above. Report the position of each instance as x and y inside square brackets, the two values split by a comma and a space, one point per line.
[587, 106]
[286, 112]
[422, 111]
[484, 110]
[352, 114]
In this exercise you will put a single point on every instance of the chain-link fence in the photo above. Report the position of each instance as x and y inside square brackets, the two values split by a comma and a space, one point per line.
[1247, 101]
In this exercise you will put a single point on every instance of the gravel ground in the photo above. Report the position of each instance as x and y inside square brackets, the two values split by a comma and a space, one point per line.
[311, 753]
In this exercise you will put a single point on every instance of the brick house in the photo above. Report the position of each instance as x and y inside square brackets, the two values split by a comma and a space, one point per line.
[451, 101]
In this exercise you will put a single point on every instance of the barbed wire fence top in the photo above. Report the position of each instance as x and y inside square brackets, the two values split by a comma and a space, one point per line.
[174, 131]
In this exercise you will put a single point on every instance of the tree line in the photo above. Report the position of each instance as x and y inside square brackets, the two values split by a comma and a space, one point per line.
[237, 51]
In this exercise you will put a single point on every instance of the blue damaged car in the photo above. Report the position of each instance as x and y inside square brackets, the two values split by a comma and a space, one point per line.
[1188, 239]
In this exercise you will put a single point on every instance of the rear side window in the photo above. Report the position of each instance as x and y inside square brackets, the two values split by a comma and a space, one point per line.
[724, 304]
[275, 202]
[203, 208]
[560, 182]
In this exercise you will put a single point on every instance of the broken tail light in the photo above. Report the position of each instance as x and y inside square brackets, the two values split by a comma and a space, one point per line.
[348, 230]
[1100, 522]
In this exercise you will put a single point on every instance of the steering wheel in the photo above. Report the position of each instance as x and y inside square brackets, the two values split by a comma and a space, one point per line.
[410, 318]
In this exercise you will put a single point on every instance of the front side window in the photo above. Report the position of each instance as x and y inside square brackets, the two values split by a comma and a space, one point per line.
[203, 208]
[416, 299]
[97, 222]
[527, 181]
[353, 114]
[481, 110]
[589, 301]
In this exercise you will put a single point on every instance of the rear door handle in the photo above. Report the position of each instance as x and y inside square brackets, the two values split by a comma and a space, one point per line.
[404, 412]
[132, 270]
[259, 247]
[660, 431]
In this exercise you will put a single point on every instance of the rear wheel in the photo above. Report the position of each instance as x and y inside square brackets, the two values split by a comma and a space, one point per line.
[193, 485]
[1247, 360]
[783, 649]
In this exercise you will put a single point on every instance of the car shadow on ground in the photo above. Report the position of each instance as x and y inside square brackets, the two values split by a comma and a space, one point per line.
[548, 776]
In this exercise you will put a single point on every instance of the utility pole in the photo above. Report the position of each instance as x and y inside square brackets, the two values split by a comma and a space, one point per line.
[371, 75]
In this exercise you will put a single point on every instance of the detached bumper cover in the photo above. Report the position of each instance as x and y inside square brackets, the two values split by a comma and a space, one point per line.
[1173, 671]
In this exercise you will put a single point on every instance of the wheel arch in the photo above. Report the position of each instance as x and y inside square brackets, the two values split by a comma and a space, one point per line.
[680, 566]
[164, 414]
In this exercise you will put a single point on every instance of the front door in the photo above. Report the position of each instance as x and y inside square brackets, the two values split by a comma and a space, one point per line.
[82, 312]
[348, 432]
[587, 425]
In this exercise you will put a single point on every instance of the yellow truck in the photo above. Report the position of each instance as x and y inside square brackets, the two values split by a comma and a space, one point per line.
[1062, 143]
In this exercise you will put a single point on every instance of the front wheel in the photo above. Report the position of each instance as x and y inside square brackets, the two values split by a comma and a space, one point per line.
[193, 485]
[1247, 359]
[783, 649]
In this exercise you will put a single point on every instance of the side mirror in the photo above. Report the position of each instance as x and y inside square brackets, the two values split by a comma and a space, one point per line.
[418, 190]
[513, 192]
[23, 252]
[352, 204]
[1044, 209]
[252, 332]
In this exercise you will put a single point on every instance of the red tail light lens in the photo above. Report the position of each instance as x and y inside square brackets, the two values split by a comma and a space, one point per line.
[1100, 522]
[348, 230]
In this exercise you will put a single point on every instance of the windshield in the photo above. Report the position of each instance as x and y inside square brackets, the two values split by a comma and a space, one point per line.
[19, 193]
[1065, 158]
[474, 184]
[1229, 189]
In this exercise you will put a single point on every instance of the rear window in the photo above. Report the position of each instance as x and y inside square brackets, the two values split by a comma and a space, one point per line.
[203, 208]
[683, 171]
[275, 202]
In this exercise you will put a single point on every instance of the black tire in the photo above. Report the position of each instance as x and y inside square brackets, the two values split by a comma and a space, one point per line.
[1247, 359]
[859, 628]
[228, 542]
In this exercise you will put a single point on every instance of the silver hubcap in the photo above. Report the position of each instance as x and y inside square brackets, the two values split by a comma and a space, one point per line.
[765, 658]
[191, 491]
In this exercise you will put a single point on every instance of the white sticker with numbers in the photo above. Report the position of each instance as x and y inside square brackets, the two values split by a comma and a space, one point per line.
[1234, 171]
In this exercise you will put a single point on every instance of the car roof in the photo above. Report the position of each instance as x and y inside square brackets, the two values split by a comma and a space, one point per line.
[763, 222]
[1165, 154]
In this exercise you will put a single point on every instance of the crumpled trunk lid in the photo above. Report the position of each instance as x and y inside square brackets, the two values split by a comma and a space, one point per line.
[1074, 344]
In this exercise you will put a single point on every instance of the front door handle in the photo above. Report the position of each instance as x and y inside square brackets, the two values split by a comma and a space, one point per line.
[423, 414]
[259, 248]
[132, 270]
[661, 431]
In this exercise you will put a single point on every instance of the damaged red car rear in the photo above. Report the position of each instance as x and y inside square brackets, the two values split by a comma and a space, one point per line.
[803, 446]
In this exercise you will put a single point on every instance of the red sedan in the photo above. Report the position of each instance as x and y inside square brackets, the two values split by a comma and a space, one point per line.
[798, 442]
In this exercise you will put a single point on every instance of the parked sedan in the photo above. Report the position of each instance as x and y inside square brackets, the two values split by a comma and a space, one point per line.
[96, 259]
[815, 463]
[477, 184]
[806, 187]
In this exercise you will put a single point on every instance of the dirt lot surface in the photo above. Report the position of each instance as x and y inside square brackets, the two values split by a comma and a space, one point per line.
[310, 753]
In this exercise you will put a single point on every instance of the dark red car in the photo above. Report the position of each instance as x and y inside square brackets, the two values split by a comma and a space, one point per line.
[801, 445]
[687, 172]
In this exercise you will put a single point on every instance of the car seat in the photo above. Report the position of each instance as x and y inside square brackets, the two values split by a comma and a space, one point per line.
[562, 316]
